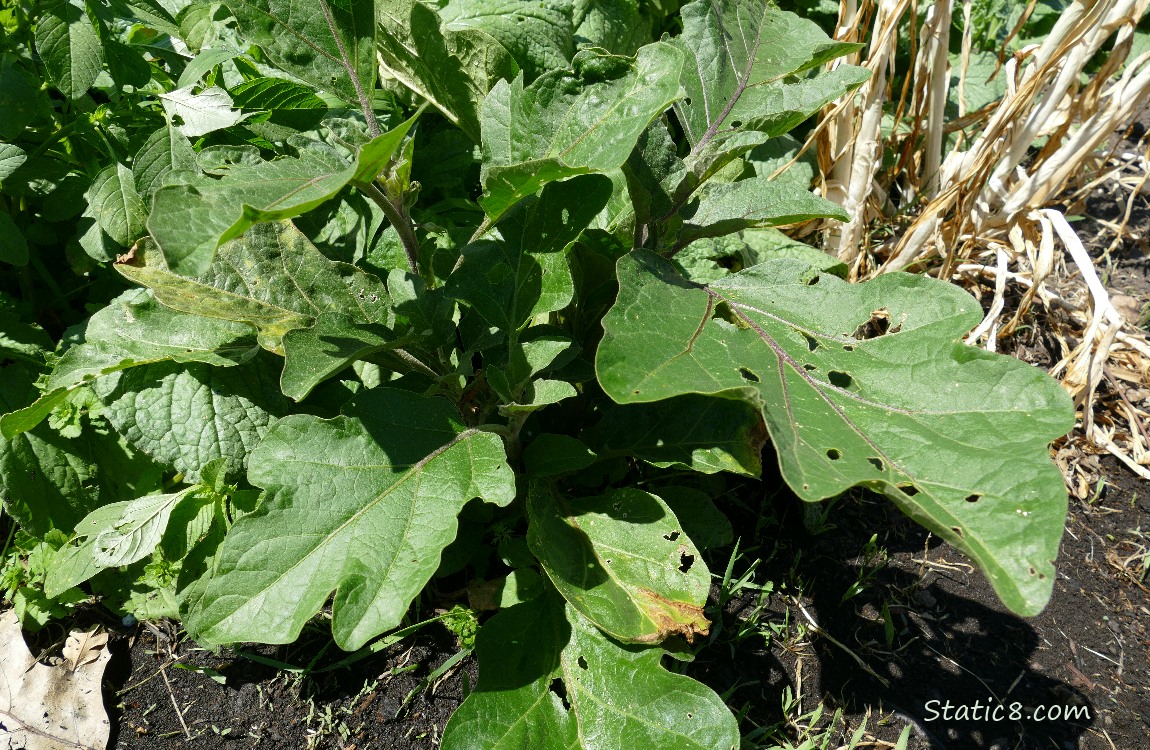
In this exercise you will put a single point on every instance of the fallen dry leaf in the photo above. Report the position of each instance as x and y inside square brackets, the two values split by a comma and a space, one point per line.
[52, 708]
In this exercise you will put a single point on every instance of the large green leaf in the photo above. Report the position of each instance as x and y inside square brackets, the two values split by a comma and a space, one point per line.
[525, 274]
[69, 47]
[613, 696]
[328, 43]
[187, 415]
[271, 278]
[190, 221]
[453, 70]
[134, 330]
[361, 505]
[955, 436]
[703, 434]
[539, 35]
[740, 53]
[572, 122]
[46, 481]
[623, 561]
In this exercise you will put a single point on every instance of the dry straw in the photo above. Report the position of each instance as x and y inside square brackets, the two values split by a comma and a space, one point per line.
[981, 211]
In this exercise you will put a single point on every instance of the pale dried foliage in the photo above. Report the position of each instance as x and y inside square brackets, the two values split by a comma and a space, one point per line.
[981, 213]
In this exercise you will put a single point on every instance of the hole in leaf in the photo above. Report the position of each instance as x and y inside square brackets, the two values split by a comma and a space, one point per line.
[973, 498]
[1033, 572]
[957, 531]
[806, 486]
[840, 379]
[582, 663]
[607, 560]
[737, 124]
[560, 690]
[813, 280]
[908, 489]
[690, 715]
[877, 325]
[1042, 576]
[834, 454]
[812, 344]
[877, 463]
[848, 348]
[635, 392]
[809, 367]
[672, 536]
[685, 562]
[748, 375]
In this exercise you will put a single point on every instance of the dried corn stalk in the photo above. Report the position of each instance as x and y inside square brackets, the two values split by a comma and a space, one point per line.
[981, 212]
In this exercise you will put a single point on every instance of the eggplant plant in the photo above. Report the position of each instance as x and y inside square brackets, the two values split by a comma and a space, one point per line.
[475, 289]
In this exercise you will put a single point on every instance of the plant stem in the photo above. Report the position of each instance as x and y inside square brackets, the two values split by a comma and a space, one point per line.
[352, 73]
[396, 213]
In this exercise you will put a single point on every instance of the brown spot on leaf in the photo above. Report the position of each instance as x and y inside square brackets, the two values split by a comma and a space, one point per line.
[673, 618]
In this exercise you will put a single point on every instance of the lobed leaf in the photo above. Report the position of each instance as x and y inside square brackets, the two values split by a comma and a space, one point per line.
[362, 505]
[621, 559]
[615, 695]
[862, 384]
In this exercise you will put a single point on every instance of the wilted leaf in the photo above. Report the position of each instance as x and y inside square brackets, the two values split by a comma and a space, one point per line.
[189, 221]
